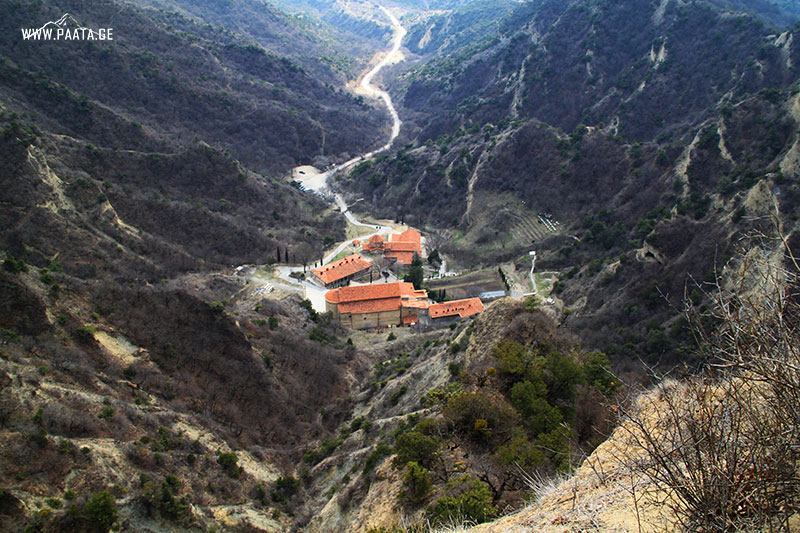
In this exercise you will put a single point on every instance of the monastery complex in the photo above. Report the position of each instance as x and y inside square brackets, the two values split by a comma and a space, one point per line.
[393, 304]
[381, 304]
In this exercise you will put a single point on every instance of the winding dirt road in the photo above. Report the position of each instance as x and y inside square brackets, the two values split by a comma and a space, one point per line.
[318, 182]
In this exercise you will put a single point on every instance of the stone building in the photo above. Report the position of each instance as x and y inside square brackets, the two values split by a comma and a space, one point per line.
[378, 305]
[447, 312]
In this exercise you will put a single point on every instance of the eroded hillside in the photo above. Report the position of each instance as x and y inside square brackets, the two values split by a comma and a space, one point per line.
[170, 78]
[652, 146]
[145, 386]
[452, 420]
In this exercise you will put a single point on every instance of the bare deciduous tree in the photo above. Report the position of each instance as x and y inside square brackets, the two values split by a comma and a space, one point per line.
[723, 448]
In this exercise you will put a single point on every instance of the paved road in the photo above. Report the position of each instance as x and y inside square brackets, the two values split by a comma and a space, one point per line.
[311, 292]
[375, 92]
[533, 265]
[318, 183]
[379, 229]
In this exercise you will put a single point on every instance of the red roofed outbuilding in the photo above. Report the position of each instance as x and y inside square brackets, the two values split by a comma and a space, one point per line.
[456, 308]
[341, 272]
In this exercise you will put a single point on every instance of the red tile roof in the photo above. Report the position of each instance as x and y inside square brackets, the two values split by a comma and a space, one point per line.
[409, 235]
[374, 243]
[404, 258]
[462, 308]
[370, 306]
[370, 292]
[410, 319]
[415, 303]
[332, 272]
[402, 246]
[376, 298]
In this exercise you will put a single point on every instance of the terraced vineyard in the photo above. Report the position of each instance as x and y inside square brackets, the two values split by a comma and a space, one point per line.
[527, 229]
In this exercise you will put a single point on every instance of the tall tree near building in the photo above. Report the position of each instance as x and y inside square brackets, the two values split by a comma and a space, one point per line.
[415, 274]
